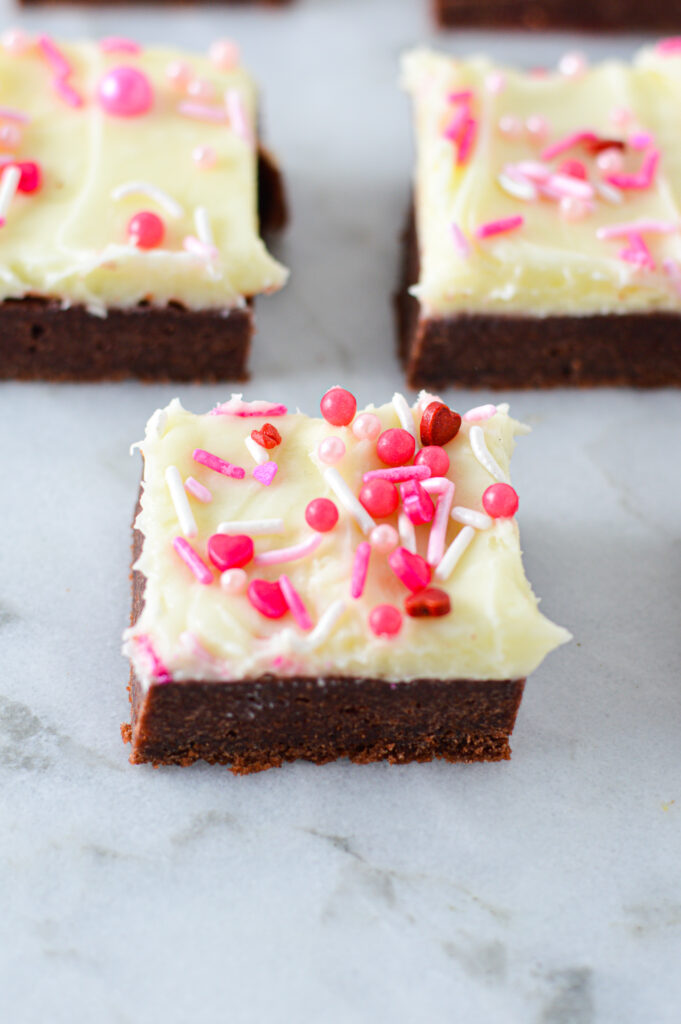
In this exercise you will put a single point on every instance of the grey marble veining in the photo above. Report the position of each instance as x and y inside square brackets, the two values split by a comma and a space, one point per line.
[543, 891]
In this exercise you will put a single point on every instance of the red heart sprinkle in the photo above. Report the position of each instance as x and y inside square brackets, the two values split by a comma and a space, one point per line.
[439, 424]
[230, 551]
[428, 603]
[267, 598]
[267, 437]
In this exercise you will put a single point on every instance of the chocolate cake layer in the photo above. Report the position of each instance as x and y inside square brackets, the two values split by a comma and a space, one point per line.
[40, 340]
[253, 724]
[503, 351]
[605, 15]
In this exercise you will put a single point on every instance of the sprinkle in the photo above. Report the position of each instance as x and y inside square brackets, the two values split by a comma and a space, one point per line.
[407, 532]
[466, 142]
[145, 188]
[404, 414]
[204, 157]
[537, 127]
[640, 140]
[453, 553]
[643, 178]
[8, 114]
[9, 182]
[637, 252]
[462, 96]
[252, 527]
[479, 413]
[533, 169]
[238, 117]
[217, 464]
[499, 227]
[517, 188]
[194, 561]
[234, 581]
[360, 569]
[454, 129]
[509, 126]
[199, 248]
[257, 451]
[469, 517]
[201, 89]
[672, 269]
[566, 185]
[198, 490]
[67, 93]
[158, 670]
[321, 632]
[266, 473]
[572, 65]
[61, 69]
[202, 224]
[348, 500]
[181, 502]
[568, 142]
[237, 407]
[637, 227]
[119, 44]
[292, 553]
[202, 111]
[482, 453]
[331, 450]
[495, 82]
[398, 474]
[461, 243]
[436, 485]
[609, 193]
[438, 530]
[295, 603]
[670, 45]
[16, 41]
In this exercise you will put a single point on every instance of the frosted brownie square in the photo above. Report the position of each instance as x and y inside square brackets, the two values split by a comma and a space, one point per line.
[346, 586]
[603, 15]
[129, 211]
[544, 245]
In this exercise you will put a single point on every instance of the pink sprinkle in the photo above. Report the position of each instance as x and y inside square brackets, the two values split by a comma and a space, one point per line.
[638, 253]
[237, 407]
[568, 142]
[295, 603]
[291, 554]
[218, 464]
[461, 243]
[202, 111]
[8, 114]
[265, 473]
[499, 227]
[532, 169]
[198, 490]
[119, 44]
[61, 70]
[416, 502]
[398, 474]
[194, 561]
[537, 127]
[199, 248]
[640, 227]
[479, 413]
[238, 117]
[455, 128]
[640, 140]
[566, 185]
[643, 178]
[462, 96]
[438, 531]
[495, 83]
[159, 672]
[410, 569]
[673, 271]
[360, 569]
[669, 46]
[67, 93]
[466, 142]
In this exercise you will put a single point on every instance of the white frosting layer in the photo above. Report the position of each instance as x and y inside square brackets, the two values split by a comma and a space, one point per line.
[551, 264]
[69, 239]
[495, 630]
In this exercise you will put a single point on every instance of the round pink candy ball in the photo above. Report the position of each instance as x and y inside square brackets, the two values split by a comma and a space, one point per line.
[224, 54]
[610, 161]
[379, 497]
[233, 581]
[366, 427]
[435, 458]
[321, 515]
[10, 136]
[330, 450]
[16, 41]
[573, 209]
[384, 538]
[338, 407]
[510, 126]
[395, 446]
[537, 127]
[146, 230]
[500, 501]
[201, 89]
[385, 620]
[179, 74]
[204, 157]
[125, 92]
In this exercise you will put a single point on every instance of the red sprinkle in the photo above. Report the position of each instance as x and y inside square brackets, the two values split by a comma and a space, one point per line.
[439, 425]
[385, 620]
[500, 501]
[428, 603]
[379, 497]
[411, 569]
[230, 551]
[146, 230]
[418, 504]
[267, 437]
[321, 515]
[31, 176]
[338, 407]
[267, 598]
[395, 446]
[435, 458]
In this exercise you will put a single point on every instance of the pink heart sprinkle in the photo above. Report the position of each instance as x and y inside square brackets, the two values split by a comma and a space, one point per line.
[266, 473]
[418, 504]
[267, 598]
[411, 569]
[230, 551]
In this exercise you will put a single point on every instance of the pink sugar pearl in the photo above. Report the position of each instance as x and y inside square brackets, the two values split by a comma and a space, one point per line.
[233, 581]
[125, 92]
[10, 136]
[379, 497]
[573, 209]
[179, 74]
[321, 515]
[366, 427]
[201, 89]
[31, 176]
[146, 230]
[511, 127]
[338, 407]
[395, 446]
[224, 54]
[330, 450]
[572, 65]
[204, 157]
[610, 161]
[385, 620]
[384, 538]
[537, 127]
[500, 501]
[16, 41]
[435, 458]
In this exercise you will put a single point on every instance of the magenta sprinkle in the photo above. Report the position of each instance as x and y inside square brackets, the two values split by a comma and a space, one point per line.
[637, 227]
[8, 114]
[194, 561]
[295, 603]
[567, 185]
[466, 142]
[218, 464]
[265, 473]
[159, 671]
[640, 140]
[461, 243]
[202, 111]
[119, 44]
[643, 178]
[237, 407]
[398, 474]
[568, 142]
[61, 69]
[499, 227]
[462, 96]
[410, 569]
[637, 252]
[455, 128]
[669, 46]
[360, 569]
[416, 502]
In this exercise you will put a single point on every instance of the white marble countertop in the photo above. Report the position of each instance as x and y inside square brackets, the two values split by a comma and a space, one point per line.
[544, 890]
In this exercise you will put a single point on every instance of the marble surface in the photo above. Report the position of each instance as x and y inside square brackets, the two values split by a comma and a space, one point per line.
[544, 890]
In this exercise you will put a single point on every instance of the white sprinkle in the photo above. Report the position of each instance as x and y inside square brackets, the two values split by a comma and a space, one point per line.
[257, 451]
[322, 630]
[202, 224]
[609, 192]
[483, 454]
[238, 118]
[469, 517]
[253, 527]
[348, 500]
[181, 502]
[518, 188]
[405, 415]
[129, 188]
[8, 188]
[454, 553]
[407, 533]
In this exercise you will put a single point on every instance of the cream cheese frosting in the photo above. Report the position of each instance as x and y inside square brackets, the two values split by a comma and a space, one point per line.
[69, 239]
[190, 630]
[569, 255]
